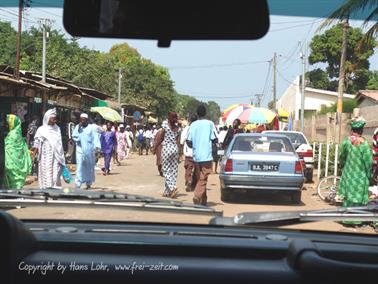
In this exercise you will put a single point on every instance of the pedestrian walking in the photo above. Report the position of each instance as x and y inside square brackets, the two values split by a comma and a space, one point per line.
[170, 155]
[200, 138]
[18, 161]
[356, 162]
[108, 145]
[190, 173]
[148, 136]
[222, 136]
[375, 158]
[115, 129]
[86, 137]
[32, 130]
[140, 140]
[129, 139]
[121, 143]
[214, 149]
[158, 146]
[232, 132]
[49, 148]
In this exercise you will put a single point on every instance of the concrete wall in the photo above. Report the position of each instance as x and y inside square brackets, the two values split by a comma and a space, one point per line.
[370, 113]
[323, 128]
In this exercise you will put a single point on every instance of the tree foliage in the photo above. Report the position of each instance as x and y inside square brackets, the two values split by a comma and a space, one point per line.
[326, 48]
[143, 82]
[348, 106]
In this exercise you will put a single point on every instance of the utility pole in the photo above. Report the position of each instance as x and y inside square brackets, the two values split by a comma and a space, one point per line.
[303, 86]
[44, 23]
[119, 85]
[18, 43]
[274, 80]
[341, 86]
[258, 99]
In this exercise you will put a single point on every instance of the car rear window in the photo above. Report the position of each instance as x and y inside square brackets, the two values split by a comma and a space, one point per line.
[262, 144]
[295, 138]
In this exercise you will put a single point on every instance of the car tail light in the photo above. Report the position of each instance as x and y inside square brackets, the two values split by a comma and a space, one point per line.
[228, 166]
[307, 154]
[298, 167]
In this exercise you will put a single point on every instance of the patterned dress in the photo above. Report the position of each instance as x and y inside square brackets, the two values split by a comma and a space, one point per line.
[49, 168]
[357, 163]
[170, 155]
[121, 145]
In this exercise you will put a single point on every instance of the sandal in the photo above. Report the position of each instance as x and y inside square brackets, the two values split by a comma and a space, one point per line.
[174, 192]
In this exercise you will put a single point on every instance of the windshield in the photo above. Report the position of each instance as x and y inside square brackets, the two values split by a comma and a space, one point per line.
[262, 144]
[295, 138]
[121, 116]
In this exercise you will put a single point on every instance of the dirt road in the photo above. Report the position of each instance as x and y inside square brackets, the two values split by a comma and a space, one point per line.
[138, 175]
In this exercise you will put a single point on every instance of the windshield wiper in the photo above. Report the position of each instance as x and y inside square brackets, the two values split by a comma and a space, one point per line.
[367, 213]
[106, 199]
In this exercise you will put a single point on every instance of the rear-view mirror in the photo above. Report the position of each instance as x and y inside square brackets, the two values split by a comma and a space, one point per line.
[167, 20]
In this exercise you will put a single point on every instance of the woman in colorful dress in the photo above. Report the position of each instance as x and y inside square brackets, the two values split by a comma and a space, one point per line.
[49, 148]
[121, 143]
[170, 155]
[356, 162]
[18, 162]
[108, 145]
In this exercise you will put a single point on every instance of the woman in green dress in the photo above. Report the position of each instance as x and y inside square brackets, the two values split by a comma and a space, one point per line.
[18, 162]
[356, 160]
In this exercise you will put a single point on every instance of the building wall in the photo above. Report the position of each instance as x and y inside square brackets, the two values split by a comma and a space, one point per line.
[367, 103]
[289, 99]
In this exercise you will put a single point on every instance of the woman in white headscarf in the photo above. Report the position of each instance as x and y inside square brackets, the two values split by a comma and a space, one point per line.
[48, 145]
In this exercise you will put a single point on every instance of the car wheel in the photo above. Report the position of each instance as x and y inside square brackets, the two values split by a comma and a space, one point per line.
[226, 195]
[296, 196]
[310, 175]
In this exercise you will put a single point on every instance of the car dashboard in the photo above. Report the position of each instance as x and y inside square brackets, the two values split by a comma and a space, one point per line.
[100, 252]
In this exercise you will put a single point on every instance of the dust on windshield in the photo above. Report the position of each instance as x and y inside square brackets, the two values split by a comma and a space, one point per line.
[126, 117]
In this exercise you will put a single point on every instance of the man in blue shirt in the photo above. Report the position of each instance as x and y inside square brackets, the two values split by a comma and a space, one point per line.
[200, 139]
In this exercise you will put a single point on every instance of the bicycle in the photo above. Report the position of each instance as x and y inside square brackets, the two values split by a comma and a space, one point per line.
[327, 189]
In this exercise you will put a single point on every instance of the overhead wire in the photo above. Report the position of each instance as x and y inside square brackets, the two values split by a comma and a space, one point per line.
[216, 65]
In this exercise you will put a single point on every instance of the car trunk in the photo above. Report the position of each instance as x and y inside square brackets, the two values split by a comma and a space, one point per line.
[273, 164]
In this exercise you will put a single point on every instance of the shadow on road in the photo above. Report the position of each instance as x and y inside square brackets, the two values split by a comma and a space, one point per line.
[265, 198]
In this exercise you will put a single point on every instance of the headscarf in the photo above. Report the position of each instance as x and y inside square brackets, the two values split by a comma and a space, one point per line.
[18, 162]
[357, 123]
[53, 135]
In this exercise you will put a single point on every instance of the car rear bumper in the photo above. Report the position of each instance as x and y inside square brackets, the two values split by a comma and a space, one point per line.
[229, 181]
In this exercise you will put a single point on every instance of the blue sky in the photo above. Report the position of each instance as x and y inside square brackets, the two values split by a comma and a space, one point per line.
[226, 72]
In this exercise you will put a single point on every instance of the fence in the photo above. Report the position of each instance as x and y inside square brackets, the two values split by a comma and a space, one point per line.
[326, 158]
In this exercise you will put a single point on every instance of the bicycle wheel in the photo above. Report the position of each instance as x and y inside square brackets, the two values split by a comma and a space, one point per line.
[327, 187]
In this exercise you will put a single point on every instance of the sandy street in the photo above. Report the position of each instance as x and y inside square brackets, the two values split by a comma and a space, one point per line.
[139, 175]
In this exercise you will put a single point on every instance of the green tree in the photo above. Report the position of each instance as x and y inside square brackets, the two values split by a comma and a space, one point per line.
[351, 7]
[373, 81]
[7, 44]
[348, 106]
[213, 111]
[326, 48]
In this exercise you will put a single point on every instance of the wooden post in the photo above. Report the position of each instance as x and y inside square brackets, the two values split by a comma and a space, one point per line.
[327, 161]
[319, 159]
[336, 159]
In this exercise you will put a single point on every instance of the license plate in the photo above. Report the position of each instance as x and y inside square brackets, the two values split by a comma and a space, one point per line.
[265, 167]
[220, 152]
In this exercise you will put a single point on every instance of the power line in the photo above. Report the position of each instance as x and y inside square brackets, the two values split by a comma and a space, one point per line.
[293, 22]
[296, 26]
[285, 79]
[217, 65]
[47, 12]
[9, 12]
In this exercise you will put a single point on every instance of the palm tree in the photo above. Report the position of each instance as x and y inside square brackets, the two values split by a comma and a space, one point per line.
[351, 7]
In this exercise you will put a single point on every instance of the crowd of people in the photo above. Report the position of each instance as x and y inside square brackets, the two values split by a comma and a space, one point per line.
[42, 154]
